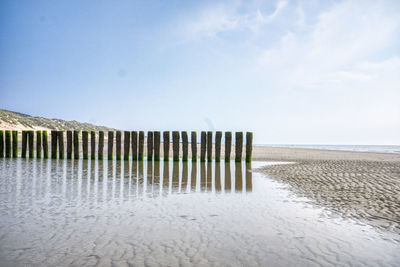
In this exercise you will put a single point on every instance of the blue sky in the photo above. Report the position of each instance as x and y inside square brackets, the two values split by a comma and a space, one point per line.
[304, 72]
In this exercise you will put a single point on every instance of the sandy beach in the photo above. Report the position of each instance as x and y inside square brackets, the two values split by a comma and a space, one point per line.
[362, 185]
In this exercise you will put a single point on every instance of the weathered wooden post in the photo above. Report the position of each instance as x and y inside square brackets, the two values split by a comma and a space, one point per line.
[141, 145]
[193, 142]
[218, 137]
[118, 145]
[101, 146]
[175, 145]
[127, 144]
[45, 145]
[134, 141]
[39, 144]
[203, 146]
[76, 144]
[209, 146]
[8, 143]
[166, 145]
[93, 144]
[228, 146]
[110, 145]
[54, 144]
[69, 144]
[238, 146]
[149, 145]
[185, 146]
[60, 138]
[15, 144]
[249, 146]
[157, 141]
[1, 144]
[24, 144]
[85, 144]
[30, 142]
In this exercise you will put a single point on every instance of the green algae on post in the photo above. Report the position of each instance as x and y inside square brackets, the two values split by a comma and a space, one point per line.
[209, 146]
[60, 144]
[238, 146]
[45, 144]
[127, 144]
[76, 144]
[193, 142]
[185, 146]
[157, 141]
[69, 144]
[39, 144]
[100, 149]
[141, 145]
[1, 143]
[110, 145]
[203, 146]
[249, 146]
[175, 145]
[218, 137]
[149, 145]
[15, 144]
[85, 144]
[134, 141]
[166, 145]
[54, 144]
[30, 142]
[93, 144]
[228, 146]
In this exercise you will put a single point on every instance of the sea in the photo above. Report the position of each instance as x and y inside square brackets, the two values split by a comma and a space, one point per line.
[361, 148]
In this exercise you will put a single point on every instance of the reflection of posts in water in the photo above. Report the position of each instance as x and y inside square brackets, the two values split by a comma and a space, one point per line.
[165, 176]
[149, 172]
[227, 186]
[156, 179]
[175, 175]
[249, 178]
[217, 177]
[184, 176]
[209, 176]
[126, 169]
[69, 144]
[238, 177]
[193, 176]
[202, 176]
[140, 177]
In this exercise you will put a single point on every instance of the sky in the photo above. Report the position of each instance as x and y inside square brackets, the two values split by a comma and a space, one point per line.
[292, 72]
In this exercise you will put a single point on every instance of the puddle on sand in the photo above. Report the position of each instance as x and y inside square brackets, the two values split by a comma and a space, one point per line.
[59, 212]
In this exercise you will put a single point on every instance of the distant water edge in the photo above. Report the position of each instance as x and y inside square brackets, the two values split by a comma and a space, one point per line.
[361, 148]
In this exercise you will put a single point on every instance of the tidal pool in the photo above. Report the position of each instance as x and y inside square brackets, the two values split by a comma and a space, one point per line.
[109, 213]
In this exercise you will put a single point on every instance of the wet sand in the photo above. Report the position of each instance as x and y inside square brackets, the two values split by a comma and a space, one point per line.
[362, 185]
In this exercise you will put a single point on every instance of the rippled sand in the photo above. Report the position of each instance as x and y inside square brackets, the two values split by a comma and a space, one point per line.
[59, 212]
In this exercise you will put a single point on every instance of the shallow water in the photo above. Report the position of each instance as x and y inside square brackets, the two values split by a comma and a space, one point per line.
[59, 212]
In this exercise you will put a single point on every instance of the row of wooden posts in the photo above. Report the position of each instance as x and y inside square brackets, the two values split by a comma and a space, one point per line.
[133, 140]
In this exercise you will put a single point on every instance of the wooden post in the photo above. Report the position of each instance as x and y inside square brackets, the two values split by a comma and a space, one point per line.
[127, 144]
[93, 144]
[69, 144]
[39, 144]
[134, 141]
[141, 145]
[149, 145]
[101, 146]
[157, 141]
[8, 143]
[228, 146]
[24, 144]
[60, 144]
[85, 144]
[76, 144]
[118, 145]
[249, 146]
[185, 146]
[166, 145]
[45, 144]
[203, 146]
[54, 144]
[175, 145]
[30, 142]
[110, 145]
[209, 146]
[15, 144]
[2, 144]
[238, 146]
[193, 142]
[218, 137]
